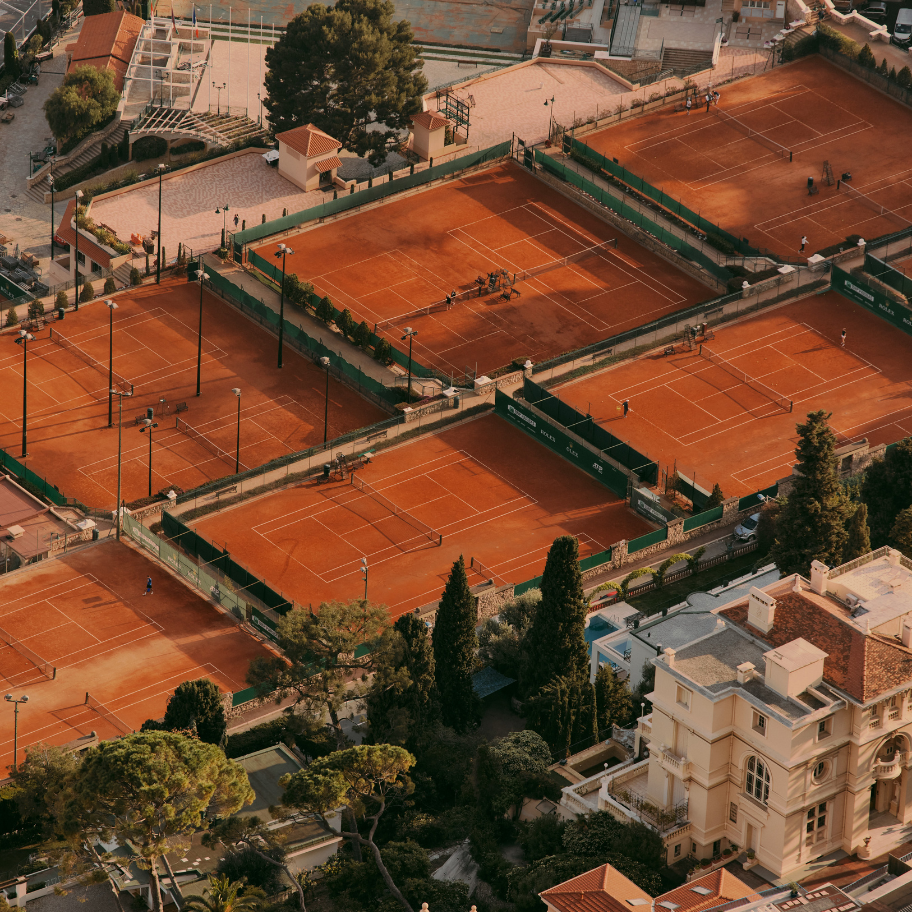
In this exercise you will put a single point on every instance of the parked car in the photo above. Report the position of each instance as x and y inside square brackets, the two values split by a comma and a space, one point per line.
[845, 6]
[746, 531]
[876, 11]
[902, 31]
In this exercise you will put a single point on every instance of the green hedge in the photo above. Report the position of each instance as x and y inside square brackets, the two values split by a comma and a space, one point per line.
[191, 145]
[149, 147]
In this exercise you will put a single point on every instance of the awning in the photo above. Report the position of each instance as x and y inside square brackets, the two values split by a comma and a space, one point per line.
[328, 164]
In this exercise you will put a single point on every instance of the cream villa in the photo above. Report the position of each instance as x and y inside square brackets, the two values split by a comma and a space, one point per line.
[787, 729]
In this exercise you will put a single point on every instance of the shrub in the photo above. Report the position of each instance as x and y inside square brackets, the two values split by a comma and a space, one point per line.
[694, 559]
[892, 74]
[61, 299]
[715, 498]
[723, 245]
[11, 56]
[12, 318]
[346, 323]
[362, 335]
[904, 78]
[883, 69]
[325, 311]
[35, 309]
[191, 145]
[110, 286]
[135, 276]
[383, 352]
[88, 293]
[149, 147]
[866, 57]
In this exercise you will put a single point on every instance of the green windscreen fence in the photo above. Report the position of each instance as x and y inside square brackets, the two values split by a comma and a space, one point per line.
[555, 438]
[211, 556]
[888, 274]
[597, 161]
[584, 426]
[367, 195]
[669, 238]
[23, 473]
[857, 290]
[702, 519]
[650, 538]
[697, 495]
[595, 560]
[755, 500]
[520, 588]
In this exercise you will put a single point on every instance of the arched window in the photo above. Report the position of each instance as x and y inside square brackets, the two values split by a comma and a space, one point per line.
[757, 780]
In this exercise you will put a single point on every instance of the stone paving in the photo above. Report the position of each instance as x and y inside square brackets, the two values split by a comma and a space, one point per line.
[240, 92]
[249, 187]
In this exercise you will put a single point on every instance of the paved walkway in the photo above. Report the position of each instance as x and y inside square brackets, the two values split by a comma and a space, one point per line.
[895, 57]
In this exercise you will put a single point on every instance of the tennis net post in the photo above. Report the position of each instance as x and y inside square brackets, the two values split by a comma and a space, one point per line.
[107, 715]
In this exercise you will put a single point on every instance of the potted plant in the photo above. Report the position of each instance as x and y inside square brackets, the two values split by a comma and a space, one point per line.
[726, 853]
[705, 862]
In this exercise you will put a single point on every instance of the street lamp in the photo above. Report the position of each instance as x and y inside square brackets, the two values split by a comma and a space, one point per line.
[201, 276]
[224, 215]
[409, 334]
[218, 88]
[111, 308]
[282, 252]
[121, 395]
[325, 362]
[9, 699]
[23, 340]
[51, 184]
[259, 110]
[76, 261]
[158, 267]
[237, 446]
[364, 574]
[149, 424]
[550, 115]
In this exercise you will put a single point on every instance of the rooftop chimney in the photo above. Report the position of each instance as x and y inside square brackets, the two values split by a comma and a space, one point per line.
[907, 633]
[761, 610]
[745, 672]
[820, 573]
[670, 657]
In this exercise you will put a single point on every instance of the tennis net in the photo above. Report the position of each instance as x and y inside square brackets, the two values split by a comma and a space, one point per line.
[784, 403]
[107, 715]
[567, 260]
[372, 492]
[761, 138]
[879, 208]
[207, 444]
[86, 358]
[445, 304]
[48, 670]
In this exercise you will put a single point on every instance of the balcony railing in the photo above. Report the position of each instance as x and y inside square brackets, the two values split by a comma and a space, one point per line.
[648, 812]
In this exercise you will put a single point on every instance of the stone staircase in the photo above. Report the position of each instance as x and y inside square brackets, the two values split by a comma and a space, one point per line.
[470, 58]
[37, 192]
[684, 61]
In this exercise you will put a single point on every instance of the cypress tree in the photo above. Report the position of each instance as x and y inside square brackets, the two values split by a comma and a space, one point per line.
[563, 712]
[455, 642]
[556, 643]
[901, 533]
[11, 56]
[811, 526]
[859, 538]
[613, 700]
[887, 490]
[715, 498]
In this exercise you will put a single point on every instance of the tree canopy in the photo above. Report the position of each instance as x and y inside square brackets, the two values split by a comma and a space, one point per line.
[901, 533]
[151, 787]
[196, 707]
[501, 640]
[812, 526]
[455, 642]
[859, 538]
[613, 700]
[97, 7]
[350, 70]
[87, 98]
[887, 490]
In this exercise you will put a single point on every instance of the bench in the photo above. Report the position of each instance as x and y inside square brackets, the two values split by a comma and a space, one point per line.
[669, 350]
[181, 407]
[376, 436]
[140, 419]
[813, 191]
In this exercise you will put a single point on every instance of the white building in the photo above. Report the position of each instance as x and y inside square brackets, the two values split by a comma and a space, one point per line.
[788, 728]
[308, 157]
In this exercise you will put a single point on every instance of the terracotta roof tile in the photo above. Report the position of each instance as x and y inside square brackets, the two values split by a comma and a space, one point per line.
[862, 666]
[430, 120]
[66, 232]
[309, 140]
[723, 886]
[603, 889]
[328, 164]
[107, 42]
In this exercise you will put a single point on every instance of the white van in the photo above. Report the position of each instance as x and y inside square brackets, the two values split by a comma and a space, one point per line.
[902, 32]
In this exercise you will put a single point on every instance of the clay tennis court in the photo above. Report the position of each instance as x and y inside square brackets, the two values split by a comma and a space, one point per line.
[86, 615]
[389, 262]
[689, 411]
[748, 186]
[495, 497]
[155, 348]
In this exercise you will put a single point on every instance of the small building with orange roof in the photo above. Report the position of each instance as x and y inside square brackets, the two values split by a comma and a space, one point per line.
[308, 157]
[106, 42]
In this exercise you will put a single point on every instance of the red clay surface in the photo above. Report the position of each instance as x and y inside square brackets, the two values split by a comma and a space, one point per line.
[813, 108]
[494, 495]
[685, 410]
[86, 614]
[389, 262]
[155, 347]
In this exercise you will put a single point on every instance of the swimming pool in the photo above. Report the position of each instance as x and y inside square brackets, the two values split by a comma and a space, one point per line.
[598, 627]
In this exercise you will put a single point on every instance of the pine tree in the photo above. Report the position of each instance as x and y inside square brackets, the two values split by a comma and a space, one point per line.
[904, 78]
[859, 541]
[11, 63]
[556, 643]
[613, 700]
[901, 533]
[455, 642]
[403, 704]
[197, 706]
[563, 712]
[325, 310]
[883, 69]
[887, 490]
[12, 318]
[866, 58]
[892, 75]
[812, 524]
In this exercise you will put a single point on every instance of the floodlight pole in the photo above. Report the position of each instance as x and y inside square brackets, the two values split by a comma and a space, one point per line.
[364, 573]
[76, 260]
[237, 446]
[201, 275]
[325, 362]
[149, 425]
[112, 307]
[23, 340]
[282, 252]
[120, 395]
[409, 334]
[51, 183]
[9, 699]
[158, 266]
